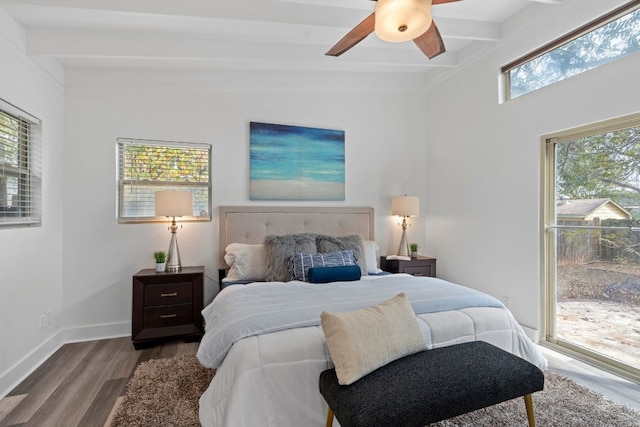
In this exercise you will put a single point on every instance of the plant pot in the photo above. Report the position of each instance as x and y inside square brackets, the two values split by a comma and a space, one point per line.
[414, 254]
[160, 267]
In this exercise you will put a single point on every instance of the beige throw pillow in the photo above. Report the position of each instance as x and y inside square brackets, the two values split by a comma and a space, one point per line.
[361, 341]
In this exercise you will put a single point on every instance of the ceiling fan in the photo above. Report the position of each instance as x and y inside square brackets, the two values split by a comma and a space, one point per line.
[398, 21]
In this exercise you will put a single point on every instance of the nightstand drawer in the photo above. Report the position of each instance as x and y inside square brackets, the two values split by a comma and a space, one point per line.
[171, 315]
[423, 270]
[174, 293]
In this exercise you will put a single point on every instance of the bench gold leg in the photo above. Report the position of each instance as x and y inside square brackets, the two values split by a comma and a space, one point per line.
[329, 418]
[528, 402]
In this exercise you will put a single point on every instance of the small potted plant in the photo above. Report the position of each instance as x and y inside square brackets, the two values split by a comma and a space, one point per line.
[161, 260]
[414, 250]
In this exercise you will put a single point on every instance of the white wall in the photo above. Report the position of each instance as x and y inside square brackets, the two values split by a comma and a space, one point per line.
[385, 154]
[484, 160]
[31, 258]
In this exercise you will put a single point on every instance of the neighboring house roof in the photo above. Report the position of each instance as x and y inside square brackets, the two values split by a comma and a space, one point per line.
[587, 209]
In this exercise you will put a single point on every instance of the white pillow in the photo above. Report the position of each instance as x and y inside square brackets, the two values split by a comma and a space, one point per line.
[246, 262]
[371, 257]
[361, 341]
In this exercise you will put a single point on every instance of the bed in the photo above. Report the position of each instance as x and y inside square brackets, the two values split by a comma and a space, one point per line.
[265, 339]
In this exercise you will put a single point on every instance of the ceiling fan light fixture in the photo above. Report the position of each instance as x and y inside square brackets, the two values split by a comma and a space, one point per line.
[402, 20]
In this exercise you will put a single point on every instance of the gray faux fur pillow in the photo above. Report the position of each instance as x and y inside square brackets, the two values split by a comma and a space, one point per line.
[279, 249]
[344, 243]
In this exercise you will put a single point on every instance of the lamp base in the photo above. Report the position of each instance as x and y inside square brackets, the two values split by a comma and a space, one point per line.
[403, 249]
[173, 255]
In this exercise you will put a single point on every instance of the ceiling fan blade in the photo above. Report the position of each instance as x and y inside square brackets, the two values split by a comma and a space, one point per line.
[354, 36]
[430, 42]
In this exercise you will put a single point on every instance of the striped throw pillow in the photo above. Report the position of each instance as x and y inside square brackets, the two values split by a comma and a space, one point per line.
[300, 263]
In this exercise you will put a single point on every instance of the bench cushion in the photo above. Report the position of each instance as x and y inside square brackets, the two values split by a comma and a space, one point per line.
[431, 385]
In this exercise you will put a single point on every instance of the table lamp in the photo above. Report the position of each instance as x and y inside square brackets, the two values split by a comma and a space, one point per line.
[405, 206]
[174, 204]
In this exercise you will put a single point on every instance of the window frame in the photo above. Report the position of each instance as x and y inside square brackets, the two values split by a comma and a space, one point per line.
[122, 182]
[549, 229]
[561, 41]
[27, 172]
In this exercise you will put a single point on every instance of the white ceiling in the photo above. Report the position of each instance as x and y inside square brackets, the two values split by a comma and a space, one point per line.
[244, 35]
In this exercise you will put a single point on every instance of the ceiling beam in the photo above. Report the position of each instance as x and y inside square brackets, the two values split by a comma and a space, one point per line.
[143, 45]
[547, 1]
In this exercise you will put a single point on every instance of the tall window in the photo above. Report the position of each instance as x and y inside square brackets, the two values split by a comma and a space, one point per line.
[592, 243]
[607, 38]
[20, 168]
[145, 167]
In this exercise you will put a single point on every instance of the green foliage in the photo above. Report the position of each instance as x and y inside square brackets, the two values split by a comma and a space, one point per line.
[414, 247]
[9, 139]
[165, 164]
[621, 246]
[600, 166]
[160, 256]
[613, 40]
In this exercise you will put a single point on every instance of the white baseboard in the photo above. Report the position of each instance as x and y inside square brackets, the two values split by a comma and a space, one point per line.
[25, 366]
[29, 363]
[96, 332]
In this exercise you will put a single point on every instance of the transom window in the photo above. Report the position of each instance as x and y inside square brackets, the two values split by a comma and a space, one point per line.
[20, 168]
[609, 37]
[146, 166]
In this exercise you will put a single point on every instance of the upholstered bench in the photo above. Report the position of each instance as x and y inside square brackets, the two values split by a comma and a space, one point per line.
[432, 385]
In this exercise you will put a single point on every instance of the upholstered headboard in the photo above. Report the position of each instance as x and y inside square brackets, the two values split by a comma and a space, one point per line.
[251, 224]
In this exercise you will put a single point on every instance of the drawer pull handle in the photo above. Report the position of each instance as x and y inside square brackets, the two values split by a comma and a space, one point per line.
[418, 274]
[168, 316]
[170, 294]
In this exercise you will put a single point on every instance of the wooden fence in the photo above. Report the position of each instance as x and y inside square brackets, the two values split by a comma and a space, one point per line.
[581, 246]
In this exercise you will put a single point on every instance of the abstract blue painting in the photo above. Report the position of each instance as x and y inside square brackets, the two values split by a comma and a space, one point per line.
[296, 162]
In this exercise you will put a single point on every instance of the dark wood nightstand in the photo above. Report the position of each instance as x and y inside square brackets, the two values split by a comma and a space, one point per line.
[421, 266]
[167, 305]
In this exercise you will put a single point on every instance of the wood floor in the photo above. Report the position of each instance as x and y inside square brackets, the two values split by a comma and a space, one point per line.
[80, 384]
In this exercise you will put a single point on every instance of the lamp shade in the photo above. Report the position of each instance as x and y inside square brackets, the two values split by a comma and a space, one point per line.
[405, 206]
[174, 203]
[402, 20]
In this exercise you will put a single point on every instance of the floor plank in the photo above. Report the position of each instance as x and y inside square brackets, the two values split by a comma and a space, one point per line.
[42, 383]
[100, 407]
[76, 392]
[9, 403]
[107, 423]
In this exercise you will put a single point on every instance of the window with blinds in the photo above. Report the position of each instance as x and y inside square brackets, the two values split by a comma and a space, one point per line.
[146, 166]
[20, 168]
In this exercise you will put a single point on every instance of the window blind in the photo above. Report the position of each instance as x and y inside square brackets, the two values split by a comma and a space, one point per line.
[20, 168]
[147, 166]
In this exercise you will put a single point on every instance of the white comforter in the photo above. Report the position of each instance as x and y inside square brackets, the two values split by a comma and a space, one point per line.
[269, 349]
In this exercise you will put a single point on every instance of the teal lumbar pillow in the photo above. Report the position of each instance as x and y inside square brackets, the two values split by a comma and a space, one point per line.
[343, 273]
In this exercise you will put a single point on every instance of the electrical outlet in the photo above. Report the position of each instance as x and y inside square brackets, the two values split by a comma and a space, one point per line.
[49, 319]
[42, 321]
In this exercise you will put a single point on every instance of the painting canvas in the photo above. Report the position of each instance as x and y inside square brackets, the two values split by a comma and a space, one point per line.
[296, 163]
